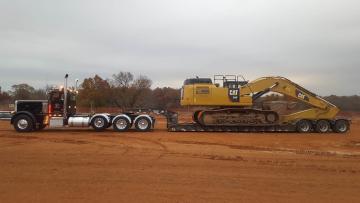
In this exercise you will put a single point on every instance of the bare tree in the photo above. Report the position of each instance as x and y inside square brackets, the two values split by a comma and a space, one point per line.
[122, 79]
[142, 82]
[166, 97]
[141, 92]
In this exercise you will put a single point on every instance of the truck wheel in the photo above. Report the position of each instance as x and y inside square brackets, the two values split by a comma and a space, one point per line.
[341, 126]
[322, 126]
[23, 123]
[99, 123]
[143, 124]
[121, 124]
[303, 126]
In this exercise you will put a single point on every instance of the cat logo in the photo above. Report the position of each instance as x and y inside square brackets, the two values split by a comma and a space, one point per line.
[301, 95]
[234, 94]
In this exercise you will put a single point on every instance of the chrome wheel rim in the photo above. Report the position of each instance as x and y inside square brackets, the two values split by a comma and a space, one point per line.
[305, 127]
[342, 127]
[121, 124]
[324, 127]
[143, 124]
[99, 122]
[22, 124]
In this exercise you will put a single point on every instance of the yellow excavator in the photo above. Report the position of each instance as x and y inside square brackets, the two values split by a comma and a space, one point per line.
[230, 104]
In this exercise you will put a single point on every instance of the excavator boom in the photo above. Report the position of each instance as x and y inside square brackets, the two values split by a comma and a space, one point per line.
[320, 108]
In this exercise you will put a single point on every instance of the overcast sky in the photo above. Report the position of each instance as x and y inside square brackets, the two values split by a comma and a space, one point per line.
[315, 43]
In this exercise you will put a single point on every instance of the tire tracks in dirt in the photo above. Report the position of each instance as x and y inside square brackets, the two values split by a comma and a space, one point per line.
[269, 149]
[163, 148]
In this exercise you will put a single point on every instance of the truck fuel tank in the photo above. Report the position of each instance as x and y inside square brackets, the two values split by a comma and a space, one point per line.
[78, 121]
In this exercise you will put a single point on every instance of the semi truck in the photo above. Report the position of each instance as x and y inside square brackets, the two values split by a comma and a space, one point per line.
[59, 111]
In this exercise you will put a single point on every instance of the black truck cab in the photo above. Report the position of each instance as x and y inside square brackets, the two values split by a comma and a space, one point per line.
[34, 114]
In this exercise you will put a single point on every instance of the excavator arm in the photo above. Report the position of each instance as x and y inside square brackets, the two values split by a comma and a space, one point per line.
[320, 108]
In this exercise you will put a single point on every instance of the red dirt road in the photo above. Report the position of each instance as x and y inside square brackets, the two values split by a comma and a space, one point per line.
[79, 165]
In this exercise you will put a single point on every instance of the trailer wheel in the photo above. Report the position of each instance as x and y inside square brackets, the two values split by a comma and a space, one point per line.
[143, 124]
[121, 124]
[322, 126]
[341, 126]
[303, 126]
[23, 123]
[99, 123]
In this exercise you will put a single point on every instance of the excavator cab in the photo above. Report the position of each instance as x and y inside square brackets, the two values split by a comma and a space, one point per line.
[230, 81]
[233, 84]
[224, 90]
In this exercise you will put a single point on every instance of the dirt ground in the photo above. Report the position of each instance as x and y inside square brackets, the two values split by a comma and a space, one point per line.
[79, 165]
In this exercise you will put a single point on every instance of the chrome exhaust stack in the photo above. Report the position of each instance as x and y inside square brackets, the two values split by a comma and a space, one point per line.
[76, 85]
[65, 98]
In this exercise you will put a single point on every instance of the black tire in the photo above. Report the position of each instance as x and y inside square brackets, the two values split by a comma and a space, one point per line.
[322, 126]
[341, 126]
[143, 124]
[99, 123]
[303, 126]
[23, 123]
[121, 124]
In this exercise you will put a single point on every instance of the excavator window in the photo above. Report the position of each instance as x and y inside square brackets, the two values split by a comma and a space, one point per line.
[234, 84]
[229, 81]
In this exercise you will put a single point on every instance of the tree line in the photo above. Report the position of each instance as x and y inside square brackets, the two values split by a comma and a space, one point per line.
[125, 91]
[345, 103]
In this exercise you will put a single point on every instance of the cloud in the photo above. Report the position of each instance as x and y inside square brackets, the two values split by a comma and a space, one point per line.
[171, 40]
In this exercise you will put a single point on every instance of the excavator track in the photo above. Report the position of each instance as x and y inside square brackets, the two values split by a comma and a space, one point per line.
[174, 126]
[236, 117]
